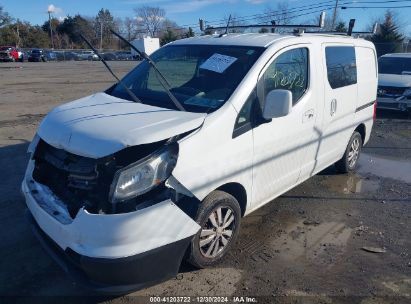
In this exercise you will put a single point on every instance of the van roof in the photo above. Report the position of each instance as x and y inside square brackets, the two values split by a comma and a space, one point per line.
[400, 55]
[257, 39]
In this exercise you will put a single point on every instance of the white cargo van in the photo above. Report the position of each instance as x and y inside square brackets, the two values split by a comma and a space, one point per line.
[394, 82]
[120, 188]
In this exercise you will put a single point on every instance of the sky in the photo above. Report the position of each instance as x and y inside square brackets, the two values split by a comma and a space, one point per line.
[187, 12]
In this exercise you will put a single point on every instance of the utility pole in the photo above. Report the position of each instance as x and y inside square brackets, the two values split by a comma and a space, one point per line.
[51, 31]
[101, 35]
[334, 15]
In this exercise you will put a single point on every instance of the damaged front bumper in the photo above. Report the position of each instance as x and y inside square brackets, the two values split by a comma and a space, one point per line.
[113, 253]
[398, 104]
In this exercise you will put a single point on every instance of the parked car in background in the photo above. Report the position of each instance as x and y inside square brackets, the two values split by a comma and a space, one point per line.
[37, 55]
[51, 56]
[72, 56]
[109, 56]
[394, 82]
[88, 55]
[124, 55]
[10, 53]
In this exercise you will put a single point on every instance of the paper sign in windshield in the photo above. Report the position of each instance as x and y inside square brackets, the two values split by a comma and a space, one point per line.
[218, 63]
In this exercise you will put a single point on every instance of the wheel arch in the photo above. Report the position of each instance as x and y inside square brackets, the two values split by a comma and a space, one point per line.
[362, 130]
[238, 191]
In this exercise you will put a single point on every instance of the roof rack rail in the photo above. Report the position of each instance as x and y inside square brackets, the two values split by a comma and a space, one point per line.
[350, 31]
[298, 28]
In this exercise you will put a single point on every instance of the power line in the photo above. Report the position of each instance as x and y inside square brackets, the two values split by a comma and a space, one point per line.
[362, 7]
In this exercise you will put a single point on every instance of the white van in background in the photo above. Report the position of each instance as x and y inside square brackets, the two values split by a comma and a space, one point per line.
[394, 82]
[120, 187]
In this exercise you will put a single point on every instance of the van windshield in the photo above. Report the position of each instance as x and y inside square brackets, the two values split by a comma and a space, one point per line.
[394, 65]
[201, 77]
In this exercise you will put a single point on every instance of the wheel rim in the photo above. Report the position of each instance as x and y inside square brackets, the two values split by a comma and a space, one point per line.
[354, 152]
[217, 232]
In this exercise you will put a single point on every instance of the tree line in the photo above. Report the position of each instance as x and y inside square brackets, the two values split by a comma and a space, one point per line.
[65, 33]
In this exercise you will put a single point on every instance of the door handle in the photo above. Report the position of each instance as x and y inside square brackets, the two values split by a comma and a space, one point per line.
[333, 107]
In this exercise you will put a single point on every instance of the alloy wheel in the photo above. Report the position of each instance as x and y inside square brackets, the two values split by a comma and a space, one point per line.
[217, 232]
[354, 152]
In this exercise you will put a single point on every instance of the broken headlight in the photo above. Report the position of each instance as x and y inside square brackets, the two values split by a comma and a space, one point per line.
[142, 176]
[407, 92]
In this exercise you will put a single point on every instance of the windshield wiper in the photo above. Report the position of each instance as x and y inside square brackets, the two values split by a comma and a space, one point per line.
[163, 81]
[132, 95]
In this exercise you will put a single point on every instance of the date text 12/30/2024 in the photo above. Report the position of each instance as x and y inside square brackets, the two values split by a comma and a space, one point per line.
[234, 299]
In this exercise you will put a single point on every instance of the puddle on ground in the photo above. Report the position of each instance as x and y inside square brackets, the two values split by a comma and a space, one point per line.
[351, 183]
[312, 241]
[383, 167]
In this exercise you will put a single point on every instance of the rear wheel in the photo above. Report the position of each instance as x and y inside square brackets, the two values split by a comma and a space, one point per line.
[219, 217]
[349, 161]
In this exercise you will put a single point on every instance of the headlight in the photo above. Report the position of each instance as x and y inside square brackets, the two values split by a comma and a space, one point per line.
[142, 176]
[407, 92]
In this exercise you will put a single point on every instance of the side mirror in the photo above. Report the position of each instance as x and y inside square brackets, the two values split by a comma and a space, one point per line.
[278, 103]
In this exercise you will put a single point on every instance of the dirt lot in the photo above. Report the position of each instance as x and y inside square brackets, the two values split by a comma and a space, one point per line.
[304, 247]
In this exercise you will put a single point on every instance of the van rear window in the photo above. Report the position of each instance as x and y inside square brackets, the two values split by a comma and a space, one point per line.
[341, 66]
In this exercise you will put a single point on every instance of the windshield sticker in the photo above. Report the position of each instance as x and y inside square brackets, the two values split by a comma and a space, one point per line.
[218, 63]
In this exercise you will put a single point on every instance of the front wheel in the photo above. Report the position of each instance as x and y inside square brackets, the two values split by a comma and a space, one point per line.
[349, 161]
[219, 217]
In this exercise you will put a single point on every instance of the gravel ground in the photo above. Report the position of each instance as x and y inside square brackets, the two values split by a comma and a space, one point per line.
[305, 247]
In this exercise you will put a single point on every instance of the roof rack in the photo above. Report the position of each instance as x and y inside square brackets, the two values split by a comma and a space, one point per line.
[298, 28]
[350, 31]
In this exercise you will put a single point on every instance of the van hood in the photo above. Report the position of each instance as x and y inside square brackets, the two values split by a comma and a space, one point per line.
[100, 125]
[394, 80]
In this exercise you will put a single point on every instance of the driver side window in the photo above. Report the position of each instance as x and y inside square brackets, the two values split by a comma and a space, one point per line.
[289, 71]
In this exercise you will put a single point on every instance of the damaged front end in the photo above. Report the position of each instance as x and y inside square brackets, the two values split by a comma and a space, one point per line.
[115, 223]
[82, 182]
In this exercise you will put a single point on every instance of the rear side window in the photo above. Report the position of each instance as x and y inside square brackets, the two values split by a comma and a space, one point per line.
[341, 66]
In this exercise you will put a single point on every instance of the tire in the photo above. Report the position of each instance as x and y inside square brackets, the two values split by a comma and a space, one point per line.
[349, 161]
[220, 239]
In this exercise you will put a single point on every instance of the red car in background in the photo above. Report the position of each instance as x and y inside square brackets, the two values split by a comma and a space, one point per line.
[10, 53]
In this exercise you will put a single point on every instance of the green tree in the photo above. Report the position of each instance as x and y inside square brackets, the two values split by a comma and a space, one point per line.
[168, 36]
[72, 27]
[388, 39]
[190, 33]
[340, 27]
[104, 21]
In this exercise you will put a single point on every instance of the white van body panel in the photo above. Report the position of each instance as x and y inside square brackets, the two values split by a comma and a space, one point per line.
[211, 157]
[100, 124]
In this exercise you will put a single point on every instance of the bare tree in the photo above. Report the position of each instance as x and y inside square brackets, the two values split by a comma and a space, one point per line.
[129, 28]
[234, 21]
[280, 15]
[4, 17]
[151, 19]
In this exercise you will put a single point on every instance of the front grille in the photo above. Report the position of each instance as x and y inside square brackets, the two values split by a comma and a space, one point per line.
[81, 181]
[78, 181]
